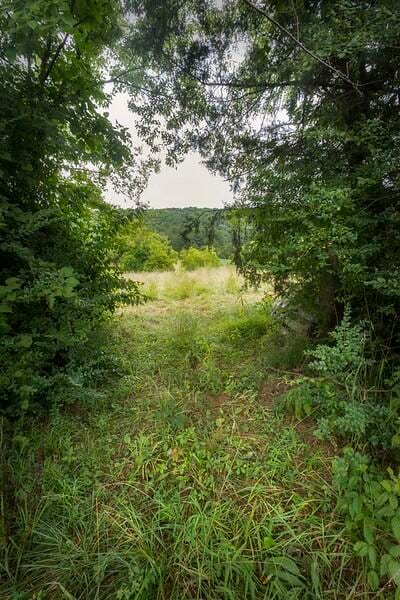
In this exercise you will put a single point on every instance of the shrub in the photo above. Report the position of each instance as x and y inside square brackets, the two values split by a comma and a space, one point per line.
[54, 294]
[369, 500]
[247, 325]
[184, 286]
[194, 258]
[232, 284]
[344, 359]
[57, 279]
[343, 399]
[141, 249]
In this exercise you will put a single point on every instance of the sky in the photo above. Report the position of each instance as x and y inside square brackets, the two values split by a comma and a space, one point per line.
[189, 184]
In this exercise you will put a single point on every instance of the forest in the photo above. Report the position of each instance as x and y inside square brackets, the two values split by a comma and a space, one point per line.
[194, 227]
[200, 404]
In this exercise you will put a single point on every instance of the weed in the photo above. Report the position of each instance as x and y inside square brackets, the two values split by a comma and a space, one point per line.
[180, 484]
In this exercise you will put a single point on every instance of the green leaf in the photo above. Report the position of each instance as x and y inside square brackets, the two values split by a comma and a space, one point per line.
[394, 571]
[396, 527]
[361, 549]
[372, 555]
[287, 563]
[268, 542]
[373, 580]
[387, 485]
[369, 530]
[357, 505]
[294, 581]
[395, 551]
[25, 341]
[393, 501]
[384, 566]
[385, 511]
[67, 271]
[315, 578]
[13, 283]
[382, 499]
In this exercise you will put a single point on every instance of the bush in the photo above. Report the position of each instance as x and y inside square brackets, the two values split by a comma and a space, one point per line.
[369, 500]
[57, 279]
[342, 395]
[141, 249]
[55, 291]
[194, 258]
[247, 325]
[184, 286]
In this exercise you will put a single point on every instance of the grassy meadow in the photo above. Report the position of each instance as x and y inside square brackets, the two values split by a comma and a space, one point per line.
[179, 477]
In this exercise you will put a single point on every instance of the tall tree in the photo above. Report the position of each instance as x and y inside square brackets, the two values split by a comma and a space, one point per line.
[56, 231]
[297, 103]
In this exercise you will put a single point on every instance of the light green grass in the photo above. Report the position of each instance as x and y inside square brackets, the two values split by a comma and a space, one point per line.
[181, 285]
[183, 482]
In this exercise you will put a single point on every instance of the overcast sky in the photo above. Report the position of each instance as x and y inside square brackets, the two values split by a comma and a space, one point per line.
[190, 184]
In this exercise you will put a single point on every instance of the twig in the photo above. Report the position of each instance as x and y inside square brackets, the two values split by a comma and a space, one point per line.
[54, 58]
[302, 46]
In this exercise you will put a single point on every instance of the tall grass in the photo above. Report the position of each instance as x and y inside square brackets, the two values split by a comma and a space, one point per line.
[181, 285]
[183, 483]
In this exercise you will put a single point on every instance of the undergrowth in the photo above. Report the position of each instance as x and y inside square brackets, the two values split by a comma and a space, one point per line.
[180, 481]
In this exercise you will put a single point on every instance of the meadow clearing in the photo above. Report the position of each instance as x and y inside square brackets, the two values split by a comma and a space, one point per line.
[180, 477]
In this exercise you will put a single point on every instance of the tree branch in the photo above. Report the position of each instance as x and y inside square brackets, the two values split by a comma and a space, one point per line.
[303, 47]
[57, 53]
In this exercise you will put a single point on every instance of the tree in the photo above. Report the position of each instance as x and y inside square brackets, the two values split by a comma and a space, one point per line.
[195, 227]
[297, 104]
[194, 258]
[140, 249]
[56, 276]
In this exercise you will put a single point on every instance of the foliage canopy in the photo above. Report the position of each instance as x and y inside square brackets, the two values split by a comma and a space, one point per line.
[56, 276]
[297, 106]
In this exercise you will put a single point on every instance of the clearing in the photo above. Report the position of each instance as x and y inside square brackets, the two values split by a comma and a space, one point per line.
[180, 478]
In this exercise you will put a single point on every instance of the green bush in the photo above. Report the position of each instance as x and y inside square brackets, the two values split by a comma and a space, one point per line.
[183, 286]
[57, 279]
[54, 295]
[141, 249]
[194, 258]
[248, 324]
[369, 500]
[342, 395]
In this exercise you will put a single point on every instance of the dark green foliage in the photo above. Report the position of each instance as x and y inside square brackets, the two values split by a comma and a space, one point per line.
[369, 499]
[196, 227]
[56, 275]
[341, 395]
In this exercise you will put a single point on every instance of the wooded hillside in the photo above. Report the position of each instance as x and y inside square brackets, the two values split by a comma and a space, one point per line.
[191, 226]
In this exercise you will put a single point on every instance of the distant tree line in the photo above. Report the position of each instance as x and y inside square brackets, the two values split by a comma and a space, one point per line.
[194, 227]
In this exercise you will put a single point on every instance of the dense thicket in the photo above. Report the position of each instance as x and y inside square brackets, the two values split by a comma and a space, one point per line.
[298, 105]
[56, 276]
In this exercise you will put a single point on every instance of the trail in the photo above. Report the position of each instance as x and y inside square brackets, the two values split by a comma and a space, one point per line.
[182, 481]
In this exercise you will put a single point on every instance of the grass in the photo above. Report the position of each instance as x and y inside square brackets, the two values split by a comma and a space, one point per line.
[180, 481]
[181, 285]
